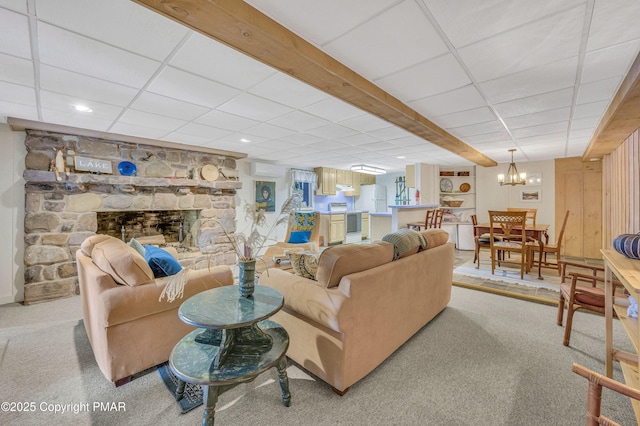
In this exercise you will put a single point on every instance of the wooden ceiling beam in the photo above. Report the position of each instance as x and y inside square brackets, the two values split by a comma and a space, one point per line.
[620, 120]
[244, 28]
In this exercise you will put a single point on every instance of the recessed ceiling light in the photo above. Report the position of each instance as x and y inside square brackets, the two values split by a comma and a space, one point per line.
[245, 140]
[401, 157]
[82, 108]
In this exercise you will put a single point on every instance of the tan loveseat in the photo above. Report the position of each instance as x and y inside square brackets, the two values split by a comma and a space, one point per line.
[363, 306]
[129, 329]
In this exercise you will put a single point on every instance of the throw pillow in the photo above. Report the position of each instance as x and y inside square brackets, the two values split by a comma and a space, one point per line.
[304, 264]
[135, 244]
[304, 221]
[161, 262]
[299, 237]
[124, 264]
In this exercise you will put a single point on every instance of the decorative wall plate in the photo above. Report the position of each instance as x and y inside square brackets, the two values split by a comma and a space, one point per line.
[127, 168]
[209, 172]
[446, 185]
[465, 187]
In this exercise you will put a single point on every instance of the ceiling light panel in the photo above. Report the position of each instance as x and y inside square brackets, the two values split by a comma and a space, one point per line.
[375, 53]
[72, 52]
[15, 34]
[204, 56]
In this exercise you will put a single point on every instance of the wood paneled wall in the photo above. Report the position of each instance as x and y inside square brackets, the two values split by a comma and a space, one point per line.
[621, 180]
[578, 188]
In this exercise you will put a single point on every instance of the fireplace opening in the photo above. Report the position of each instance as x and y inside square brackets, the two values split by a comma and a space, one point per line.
[175, 226]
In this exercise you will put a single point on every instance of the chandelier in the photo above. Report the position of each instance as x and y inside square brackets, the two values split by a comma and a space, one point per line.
[513, 178]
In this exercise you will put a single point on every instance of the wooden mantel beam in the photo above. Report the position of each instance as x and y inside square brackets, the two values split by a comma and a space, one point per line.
[249, 31]
[620, 120]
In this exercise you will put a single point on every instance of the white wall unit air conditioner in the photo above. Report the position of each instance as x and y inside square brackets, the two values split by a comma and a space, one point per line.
[266, 169]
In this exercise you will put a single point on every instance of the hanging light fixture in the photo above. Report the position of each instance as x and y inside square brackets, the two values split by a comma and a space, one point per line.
[513, 178]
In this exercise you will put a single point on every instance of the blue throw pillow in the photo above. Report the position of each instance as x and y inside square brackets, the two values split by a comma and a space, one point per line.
[299, 237]
[161, 262]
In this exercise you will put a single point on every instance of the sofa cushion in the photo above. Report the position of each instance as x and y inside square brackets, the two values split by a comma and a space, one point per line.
[162, 263]
[305, 264]
[338, 261]
[435, 237]
[89, 243]
[406, 242]
[124, 264]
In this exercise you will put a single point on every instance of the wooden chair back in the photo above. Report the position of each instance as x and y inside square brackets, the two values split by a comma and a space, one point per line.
[428, 219]
[561, 234]
[437, 218]
[531, 213]
[512, 224]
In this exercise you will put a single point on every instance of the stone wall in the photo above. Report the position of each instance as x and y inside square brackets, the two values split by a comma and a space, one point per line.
[60, 215]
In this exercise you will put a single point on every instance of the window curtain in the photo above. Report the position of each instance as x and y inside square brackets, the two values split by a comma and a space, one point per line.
[299, 175]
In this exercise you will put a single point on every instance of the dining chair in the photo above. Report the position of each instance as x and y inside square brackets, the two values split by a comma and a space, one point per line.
[433, 219]
[481, 241]
[436, 222]
[576, 295]
[549, 248]
[531, 213]
[512, 225]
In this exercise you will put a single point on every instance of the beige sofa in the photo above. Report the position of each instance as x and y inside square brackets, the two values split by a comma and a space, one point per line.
[129, 329]
[363, 306]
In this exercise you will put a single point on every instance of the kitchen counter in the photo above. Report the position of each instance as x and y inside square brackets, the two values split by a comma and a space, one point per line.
[401, 215]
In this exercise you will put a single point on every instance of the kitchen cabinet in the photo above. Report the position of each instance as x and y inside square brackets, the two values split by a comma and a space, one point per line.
[332, 228]
[367, 179]
[326, 181]
[365, 225]
[355, 182]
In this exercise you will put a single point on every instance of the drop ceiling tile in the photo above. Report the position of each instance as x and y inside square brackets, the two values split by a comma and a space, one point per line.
[467, 21]
[375, 53]
[204, 56]
[613, 22]
[161, 105]
[16, 5]
[358, 139]
[488, 137]
[139, 29]
[411, 141]
[388, 133]
[72, 52]
[427, 78]
[538, 118]
[477, 129]
[466, 118]
[299, 120]
[288, 91]
[16, 70]
[18, 94]
[10, 109]
[242, 139]
[576, 150]
[226, 121]
[137, 130]
[536, 103]
[15, 34]
[582, 133]
[547, 78]
[461, 99]
[585, 123]
[254, 107]
[598, 90]
[543, 129]
[65, 104]
[211, 133]
[365, 123]
[333, 109]
[145, 119]
[268, 131]
[609, 62]
[83, 87]
[503, 54]
[332, 131]
[80, 121]
[316, 21]
[303, 139]
[177, 84]
[192, 140]
[485, 147]
[593, 109]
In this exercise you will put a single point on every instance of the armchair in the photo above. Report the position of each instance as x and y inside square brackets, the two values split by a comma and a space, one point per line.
[303, 232]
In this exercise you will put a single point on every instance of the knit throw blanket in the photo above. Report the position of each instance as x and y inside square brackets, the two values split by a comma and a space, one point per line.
[405, 240]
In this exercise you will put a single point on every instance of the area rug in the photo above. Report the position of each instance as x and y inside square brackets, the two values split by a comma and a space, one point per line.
[509, 273]
[192, 397]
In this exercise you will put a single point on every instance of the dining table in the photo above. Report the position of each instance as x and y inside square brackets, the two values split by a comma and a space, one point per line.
[538, 232]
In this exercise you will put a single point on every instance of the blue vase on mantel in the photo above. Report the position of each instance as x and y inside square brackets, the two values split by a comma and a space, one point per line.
[246, 277]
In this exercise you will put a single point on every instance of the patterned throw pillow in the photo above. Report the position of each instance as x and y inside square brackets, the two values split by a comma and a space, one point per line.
[305, 264]
[304, 221]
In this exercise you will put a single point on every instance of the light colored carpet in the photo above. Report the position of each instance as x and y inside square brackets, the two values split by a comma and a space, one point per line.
[510, 274]
[485, 360]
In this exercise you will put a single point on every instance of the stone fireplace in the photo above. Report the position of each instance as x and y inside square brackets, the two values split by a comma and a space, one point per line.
[61, 214]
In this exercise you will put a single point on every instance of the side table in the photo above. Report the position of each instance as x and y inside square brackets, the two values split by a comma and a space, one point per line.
[234, 342]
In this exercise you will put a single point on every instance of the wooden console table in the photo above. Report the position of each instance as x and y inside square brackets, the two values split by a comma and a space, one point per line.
[233, 344]
[627, 271]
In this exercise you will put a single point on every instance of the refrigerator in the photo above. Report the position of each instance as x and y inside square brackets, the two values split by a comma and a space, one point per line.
[372, 198]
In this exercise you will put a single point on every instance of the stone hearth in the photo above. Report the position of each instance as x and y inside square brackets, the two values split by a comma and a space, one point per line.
[60, 215]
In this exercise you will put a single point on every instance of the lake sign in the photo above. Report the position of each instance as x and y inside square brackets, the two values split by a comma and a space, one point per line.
[93, 165]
